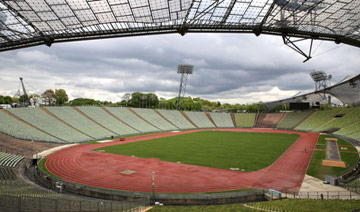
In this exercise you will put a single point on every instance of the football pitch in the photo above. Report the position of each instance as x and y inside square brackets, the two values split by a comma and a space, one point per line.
[246, 151]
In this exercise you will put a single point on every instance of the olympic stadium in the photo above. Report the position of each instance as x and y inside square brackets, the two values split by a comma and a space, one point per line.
[98, 158]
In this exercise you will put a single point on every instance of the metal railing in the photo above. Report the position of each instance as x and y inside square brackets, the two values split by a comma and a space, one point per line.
[345, 195]
[35, 204]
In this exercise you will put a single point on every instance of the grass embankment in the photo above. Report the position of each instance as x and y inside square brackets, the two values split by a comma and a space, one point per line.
[218, 149]
[316, 169]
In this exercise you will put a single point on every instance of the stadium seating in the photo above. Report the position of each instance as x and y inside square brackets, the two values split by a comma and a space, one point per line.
[351, 115]
[268, 120]
[155, 119]
[109, 122]
[222, 119]
[80, 122]
[131, 119]
[9, 160]
[200, 119]
[43, 121]
[245, 119]
[350, 129]
[292, 119]
[177, 119]
[318, 118]
[18, 129]
[355, 135]
[18, 195]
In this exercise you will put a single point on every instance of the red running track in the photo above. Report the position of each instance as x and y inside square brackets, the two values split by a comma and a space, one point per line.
[79, 164]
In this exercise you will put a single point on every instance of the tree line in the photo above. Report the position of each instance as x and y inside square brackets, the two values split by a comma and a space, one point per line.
[48, 97]
[59, 97]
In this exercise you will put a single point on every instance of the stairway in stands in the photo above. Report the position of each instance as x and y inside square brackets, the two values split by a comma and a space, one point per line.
[268, 120]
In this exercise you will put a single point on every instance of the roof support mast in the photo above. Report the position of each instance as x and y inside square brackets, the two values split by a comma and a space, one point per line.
[24, 90]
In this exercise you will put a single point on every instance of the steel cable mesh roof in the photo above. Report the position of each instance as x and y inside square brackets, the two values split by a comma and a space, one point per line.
[344, 92]
[33, 22]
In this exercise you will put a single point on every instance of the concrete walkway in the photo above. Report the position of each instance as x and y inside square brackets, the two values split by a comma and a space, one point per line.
[313, 188]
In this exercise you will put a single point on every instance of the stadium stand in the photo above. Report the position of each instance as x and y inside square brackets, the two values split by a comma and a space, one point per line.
[222, 119]
[350, 129]
[49, 124]
[210, 118]
[268, 120]
[155, 119]
[9, 160]
[19, 129]
[106, 120]
[355, 135]
[78, 124]
[16, 194]
[78, 121]
[200, 119]
[131, 119]
[177, 119]
[350, 115]
[319, 118]
[292, 119]
[245, 119]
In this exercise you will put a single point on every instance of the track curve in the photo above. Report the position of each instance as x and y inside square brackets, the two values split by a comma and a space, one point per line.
[79, 164]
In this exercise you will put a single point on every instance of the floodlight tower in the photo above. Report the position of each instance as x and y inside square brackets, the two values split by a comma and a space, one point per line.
[184, 70]
[321, 79]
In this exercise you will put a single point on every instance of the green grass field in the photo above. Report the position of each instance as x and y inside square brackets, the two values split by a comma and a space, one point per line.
[218, 149]
[319, 171]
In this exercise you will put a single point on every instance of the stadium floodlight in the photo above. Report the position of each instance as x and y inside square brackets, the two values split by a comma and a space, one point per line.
[322, 80]
[184, 70]
[318, 76]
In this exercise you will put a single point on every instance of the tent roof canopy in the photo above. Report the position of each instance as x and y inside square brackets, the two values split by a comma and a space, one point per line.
[25, 23]
[347, 92]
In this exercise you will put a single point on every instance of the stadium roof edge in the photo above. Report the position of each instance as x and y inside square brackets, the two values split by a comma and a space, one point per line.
[29, 23]
[346, 91]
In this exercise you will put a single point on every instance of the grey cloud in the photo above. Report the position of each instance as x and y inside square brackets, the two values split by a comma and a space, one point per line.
[226, 65]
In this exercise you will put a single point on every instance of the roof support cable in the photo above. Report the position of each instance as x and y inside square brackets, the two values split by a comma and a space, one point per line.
[292, 44]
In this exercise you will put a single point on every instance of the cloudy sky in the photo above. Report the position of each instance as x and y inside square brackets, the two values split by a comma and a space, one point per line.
[232, 68]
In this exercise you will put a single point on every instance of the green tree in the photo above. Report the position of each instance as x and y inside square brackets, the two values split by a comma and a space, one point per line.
[84, 101]
[23, 98]
[48, 96]
[35, 98]
[1, 99]
[9, 100]
[61, 97]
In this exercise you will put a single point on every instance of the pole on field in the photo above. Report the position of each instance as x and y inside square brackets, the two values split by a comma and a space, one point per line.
[153, 185]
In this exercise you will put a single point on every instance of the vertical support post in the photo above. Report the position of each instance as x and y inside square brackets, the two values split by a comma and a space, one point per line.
[56, 203]
[19, 204]
[153, 184]
[181, 87]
